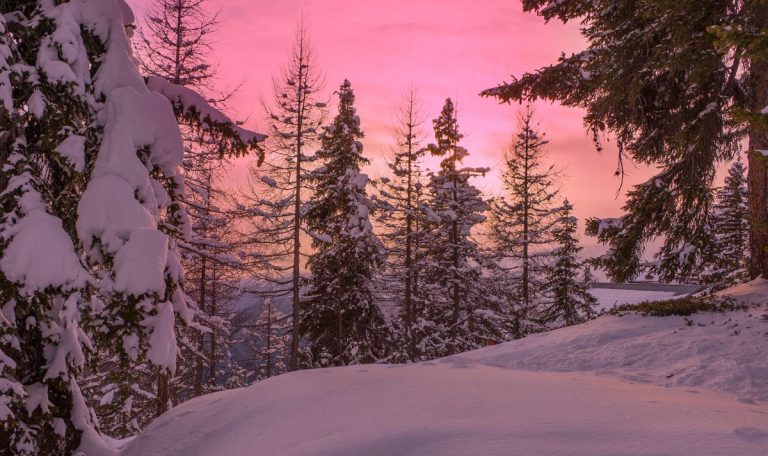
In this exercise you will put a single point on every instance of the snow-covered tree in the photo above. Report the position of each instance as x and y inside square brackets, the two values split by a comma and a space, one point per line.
[400, 219]
[339, 314]
[730, 230]
[91, 214]
[521, 222]
[238, 378]
[569, 301]
[460, 313]
[653, 77]
[175, 44]
[273, 334]
[279, 191]
[587, 276]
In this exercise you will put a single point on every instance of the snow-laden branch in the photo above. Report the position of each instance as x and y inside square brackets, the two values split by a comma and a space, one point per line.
[190, 105]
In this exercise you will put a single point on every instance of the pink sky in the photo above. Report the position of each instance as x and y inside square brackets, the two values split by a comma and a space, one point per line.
[444, 48]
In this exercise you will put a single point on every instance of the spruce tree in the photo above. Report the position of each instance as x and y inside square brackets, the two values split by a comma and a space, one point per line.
[279, 191]
[175, 44]
[459, 314]
[730, 230]
[401, 218]
[339, 315]
[81, 214]
[89, 261]
[569, 301]
[521, 224]
[273, 334]
[653, 78]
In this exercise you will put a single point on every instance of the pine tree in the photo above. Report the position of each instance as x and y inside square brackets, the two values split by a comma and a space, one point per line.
[278, 193]
[521, 223]
[273, 333]
[73, 179]
[569, 302]
[174, 44]
[653, 78]
[744, 35]
[339, 316]
[89, 262]
[730, 229]
[459, 313]
[238, 378]
[400, 218]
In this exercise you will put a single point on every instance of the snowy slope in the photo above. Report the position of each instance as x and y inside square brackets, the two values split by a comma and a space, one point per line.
[608, 298]
[722, 352]
[616, 386]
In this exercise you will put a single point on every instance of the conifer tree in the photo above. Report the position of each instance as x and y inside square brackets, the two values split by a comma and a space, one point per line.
[459, 314]
[569, 301]
[89, 262]
[73, 178]
[175, 44]
[587, 276]
[730, 230]
[653, 78]
[279, 192]
[401, 218]
[273, 333]
[521, 223]
[339, 315]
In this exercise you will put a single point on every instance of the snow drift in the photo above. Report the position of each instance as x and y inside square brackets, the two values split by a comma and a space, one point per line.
[616, 386]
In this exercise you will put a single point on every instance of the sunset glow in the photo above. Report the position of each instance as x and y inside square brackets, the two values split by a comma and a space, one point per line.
[452, 48]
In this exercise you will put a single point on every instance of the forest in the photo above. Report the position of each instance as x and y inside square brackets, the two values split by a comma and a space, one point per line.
[136, 276]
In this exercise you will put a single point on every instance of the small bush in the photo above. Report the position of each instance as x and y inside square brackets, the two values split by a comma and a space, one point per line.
[683, 306]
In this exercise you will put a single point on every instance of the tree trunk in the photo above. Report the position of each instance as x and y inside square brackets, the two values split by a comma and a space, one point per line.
[339, 333]
[162, 393]
[758, 163]
[269, 338]
[301, 87]
[409, 313]
[526, 224]
[214, 311]
[199, 366]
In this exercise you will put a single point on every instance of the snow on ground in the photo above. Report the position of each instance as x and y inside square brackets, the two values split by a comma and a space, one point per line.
[609, 298]
[453, 410]
[723, 352]
[617, 386]
[754, 292]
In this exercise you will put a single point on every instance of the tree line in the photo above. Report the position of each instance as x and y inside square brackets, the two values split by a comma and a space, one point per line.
[108, 320]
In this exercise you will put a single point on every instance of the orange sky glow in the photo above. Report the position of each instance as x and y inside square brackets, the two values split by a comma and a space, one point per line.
[443, 48]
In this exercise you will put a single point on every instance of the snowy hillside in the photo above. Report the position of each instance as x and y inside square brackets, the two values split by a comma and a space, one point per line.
[628, 385]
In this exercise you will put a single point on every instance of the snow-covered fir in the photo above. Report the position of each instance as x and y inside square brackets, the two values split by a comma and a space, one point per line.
[521, 225]
[568, 299]
[460, 314]
[730, 230]
[400, 220]
[340, 320]
[92, 218]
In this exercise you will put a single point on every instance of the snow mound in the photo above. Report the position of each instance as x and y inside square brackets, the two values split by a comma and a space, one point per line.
[754, 292]
[617, 386]
[718, 351]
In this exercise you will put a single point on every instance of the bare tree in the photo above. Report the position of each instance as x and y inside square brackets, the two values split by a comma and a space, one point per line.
[278, 191]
